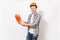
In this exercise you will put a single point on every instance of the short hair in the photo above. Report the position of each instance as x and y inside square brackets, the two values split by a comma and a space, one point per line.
[33, 4]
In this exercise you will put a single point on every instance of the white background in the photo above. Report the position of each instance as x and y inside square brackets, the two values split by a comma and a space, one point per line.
[50, 21]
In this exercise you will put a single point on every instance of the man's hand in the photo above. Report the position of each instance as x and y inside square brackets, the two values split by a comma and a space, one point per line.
[22, 23]
[25, 24]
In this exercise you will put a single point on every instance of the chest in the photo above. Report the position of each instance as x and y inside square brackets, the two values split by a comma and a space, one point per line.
[33, 17]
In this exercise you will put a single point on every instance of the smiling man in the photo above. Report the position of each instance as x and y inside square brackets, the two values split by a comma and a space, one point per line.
[33, 23]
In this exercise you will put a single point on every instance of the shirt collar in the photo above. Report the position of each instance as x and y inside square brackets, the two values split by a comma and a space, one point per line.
[34, 13]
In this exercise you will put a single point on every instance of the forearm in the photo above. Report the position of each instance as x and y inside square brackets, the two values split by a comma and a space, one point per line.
[29, 24]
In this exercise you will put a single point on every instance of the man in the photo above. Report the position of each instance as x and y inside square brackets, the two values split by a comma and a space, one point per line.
[33, 23]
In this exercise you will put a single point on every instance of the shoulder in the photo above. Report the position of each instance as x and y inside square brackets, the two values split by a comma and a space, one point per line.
[38, 14]
[30, 14]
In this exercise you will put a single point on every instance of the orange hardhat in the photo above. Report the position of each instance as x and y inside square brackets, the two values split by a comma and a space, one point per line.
[33, 4]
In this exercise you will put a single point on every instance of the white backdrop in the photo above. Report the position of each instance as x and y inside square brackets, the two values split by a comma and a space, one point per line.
[50, 22]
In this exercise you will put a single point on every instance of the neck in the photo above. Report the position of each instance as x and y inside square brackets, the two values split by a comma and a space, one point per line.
[34, 12]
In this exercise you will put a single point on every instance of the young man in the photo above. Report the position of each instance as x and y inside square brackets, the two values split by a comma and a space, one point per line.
[33, 23]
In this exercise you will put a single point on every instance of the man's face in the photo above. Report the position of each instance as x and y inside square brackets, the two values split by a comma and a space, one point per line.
[33, 9]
